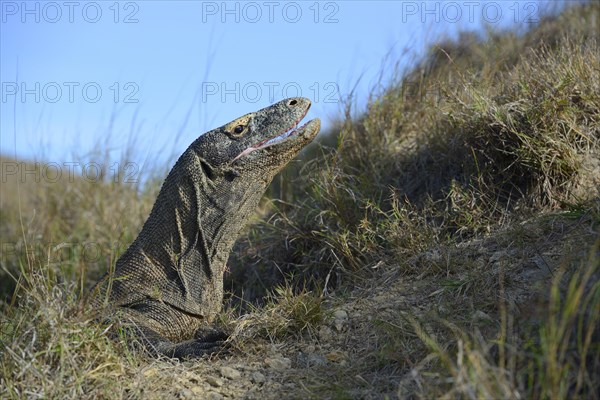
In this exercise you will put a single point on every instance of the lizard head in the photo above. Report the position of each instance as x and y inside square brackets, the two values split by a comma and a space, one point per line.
[262, 142]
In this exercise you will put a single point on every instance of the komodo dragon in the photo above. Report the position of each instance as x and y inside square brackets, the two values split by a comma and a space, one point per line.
[168, 284]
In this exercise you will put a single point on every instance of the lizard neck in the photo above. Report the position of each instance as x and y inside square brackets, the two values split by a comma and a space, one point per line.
[191, 229]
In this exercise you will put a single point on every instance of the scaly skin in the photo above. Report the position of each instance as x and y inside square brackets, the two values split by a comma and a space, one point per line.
[169, 282]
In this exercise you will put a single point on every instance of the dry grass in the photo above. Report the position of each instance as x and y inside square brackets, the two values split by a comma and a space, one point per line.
[444, 245]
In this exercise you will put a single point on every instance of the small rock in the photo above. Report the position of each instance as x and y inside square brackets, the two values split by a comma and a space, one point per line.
[230, 373]
[257, 377]
[213, 396]
[279, 364]
[340, 320]
[214, 381]
[198, 390]
[150, 372]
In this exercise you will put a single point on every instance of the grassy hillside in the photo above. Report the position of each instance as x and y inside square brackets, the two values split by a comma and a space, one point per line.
[445, 244]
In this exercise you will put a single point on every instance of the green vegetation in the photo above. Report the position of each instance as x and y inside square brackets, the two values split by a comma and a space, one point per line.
[443, 245]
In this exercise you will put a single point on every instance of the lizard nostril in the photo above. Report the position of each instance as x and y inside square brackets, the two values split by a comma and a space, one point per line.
[293, 102]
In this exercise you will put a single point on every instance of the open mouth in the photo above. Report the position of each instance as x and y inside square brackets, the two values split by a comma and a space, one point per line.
[278, 138]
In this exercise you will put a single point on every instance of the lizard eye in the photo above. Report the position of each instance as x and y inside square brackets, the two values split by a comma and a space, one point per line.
[239, 129]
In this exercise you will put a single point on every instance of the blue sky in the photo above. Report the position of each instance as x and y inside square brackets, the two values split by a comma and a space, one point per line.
[80, 74]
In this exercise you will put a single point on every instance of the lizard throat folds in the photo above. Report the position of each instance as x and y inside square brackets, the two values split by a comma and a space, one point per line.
[276, 139]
